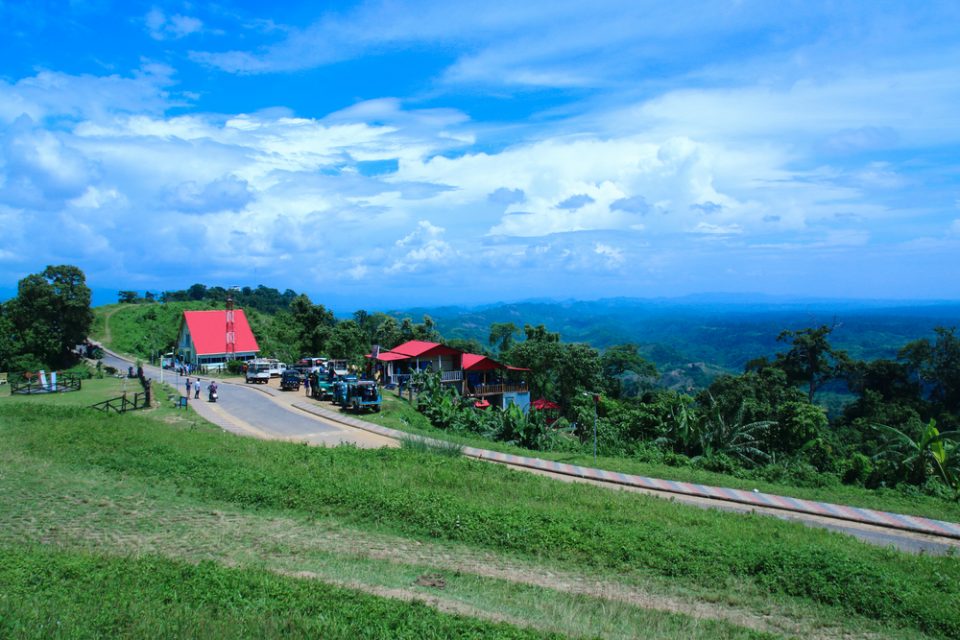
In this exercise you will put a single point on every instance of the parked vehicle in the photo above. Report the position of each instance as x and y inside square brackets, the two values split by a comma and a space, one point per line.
[258, 372]
[291, 380]
[339, 367]
[321, 386]
[363, 395]
[311, 364]
[276, 367]
[340, 390]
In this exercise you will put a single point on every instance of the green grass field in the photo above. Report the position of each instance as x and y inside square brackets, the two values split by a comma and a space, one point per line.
[163, 487]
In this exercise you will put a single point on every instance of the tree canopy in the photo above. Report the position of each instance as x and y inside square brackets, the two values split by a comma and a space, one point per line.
[49, 317]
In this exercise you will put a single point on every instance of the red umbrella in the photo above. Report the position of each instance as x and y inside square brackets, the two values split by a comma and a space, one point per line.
[542, 403]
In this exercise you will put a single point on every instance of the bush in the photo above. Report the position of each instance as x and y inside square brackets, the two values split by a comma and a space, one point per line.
[81, 370]
[857, 469]
[235, 367]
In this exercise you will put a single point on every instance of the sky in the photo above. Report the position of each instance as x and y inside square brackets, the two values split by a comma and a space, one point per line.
[387, 154]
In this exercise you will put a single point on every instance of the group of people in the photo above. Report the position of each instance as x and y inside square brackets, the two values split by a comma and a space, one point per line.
[195, 388]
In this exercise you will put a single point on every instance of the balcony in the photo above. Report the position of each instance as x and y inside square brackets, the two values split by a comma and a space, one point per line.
[481, 390]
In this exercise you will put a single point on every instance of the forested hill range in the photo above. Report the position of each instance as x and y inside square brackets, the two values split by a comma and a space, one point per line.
[714, 332]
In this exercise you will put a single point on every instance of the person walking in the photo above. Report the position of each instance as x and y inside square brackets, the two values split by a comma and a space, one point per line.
[188, 387]
[306, 384]
[196, 388]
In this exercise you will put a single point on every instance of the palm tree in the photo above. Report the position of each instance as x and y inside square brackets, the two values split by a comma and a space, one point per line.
[717, 435]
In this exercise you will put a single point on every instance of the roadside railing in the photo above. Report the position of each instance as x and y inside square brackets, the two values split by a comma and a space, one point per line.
[27, 386]
[123, 403]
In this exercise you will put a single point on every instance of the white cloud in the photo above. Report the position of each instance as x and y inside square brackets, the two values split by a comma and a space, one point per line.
[424, 247]
[613, 255]
[163, 27]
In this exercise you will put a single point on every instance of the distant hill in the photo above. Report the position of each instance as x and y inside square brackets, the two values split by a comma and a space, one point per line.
[715, 333]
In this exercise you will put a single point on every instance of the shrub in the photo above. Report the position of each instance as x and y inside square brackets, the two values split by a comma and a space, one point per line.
[235, 367]
[857, 469]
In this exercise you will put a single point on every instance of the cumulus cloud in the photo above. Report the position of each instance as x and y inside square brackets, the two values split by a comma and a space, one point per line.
[40, 169]
[421, 249]
[162, 27]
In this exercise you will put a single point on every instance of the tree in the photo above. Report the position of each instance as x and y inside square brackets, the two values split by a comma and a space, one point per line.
[559, 371]
[313, 323]
[811, 359]
[346, 340]
[501, 335]
[539, 333]
[127, 297]
[9, 346]
[386, 332]
[197, 292]
[937, 364]
[51, 313]
[619, 360]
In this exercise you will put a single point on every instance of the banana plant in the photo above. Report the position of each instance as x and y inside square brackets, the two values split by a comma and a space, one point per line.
[930, 450]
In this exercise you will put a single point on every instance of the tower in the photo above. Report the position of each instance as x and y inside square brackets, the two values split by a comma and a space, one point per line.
[231, 334]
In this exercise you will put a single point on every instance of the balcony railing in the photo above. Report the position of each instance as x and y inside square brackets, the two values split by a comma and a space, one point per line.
[451, 376]
[496, 389]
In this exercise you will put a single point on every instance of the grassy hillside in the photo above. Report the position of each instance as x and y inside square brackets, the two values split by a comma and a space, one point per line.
[145, 464]
[141, 329]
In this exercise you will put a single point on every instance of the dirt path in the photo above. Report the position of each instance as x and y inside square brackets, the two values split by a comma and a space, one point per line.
[107, 335]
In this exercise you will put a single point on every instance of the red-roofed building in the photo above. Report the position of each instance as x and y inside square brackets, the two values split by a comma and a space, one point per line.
[475, 375]
[203, 338]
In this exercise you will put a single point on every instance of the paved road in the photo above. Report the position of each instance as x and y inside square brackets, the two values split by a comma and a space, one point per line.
[260, 411]
[268, 413]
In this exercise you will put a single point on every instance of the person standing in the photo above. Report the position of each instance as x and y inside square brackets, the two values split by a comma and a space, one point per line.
[196, 388]
[306, 384]
[188, 387]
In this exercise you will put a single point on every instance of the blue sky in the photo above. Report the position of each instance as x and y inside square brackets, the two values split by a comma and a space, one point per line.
[384, 154]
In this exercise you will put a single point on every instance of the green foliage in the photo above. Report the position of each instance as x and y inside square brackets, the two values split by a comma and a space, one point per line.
[48, 318]
[622, 359]
[145, 330]
[719, 440]
[811, 359]
[931, 452]
[857, 469]
[443, 407]
[501, 335]
[234, 367]
[937, 363]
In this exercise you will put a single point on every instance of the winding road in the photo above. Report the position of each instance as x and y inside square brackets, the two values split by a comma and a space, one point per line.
[264, 411]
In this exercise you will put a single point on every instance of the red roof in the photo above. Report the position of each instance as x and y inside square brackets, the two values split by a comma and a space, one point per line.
[476, 362]
[421, 349]
[387, 356]
[209, 331]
